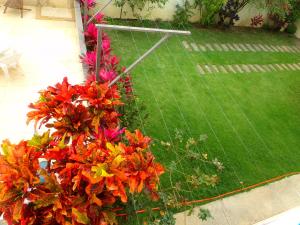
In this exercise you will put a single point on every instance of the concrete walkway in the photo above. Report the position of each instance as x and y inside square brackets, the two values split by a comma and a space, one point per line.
[49, 51]
[250, 207]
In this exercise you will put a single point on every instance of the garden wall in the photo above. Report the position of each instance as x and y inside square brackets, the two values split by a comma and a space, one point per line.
[168, 11]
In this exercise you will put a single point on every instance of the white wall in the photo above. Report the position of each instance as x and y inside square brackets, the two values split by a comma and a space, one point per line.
[165, 13]
[168, 11]
[247, 13]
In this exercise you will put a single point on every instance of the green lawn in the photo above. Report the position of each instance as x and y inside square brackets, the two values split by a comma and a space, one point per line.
[252, 120]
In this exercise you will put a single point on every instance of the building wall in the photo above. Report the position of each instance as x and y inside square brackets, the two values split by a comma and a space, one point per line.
[168, 11]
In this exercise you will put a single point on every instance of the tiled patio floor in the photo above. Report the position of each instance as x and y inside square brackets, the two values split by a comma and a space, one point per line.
[49, 50]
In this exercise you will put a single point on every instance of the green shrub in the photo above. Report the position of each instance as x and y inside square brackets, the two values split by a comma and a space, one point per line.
[208, 10]
[137, 6]
[291, 28]
[182, 15]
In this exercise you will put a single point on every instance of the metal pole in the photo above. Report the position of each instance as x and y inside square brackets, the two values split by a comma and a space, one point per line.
[85, 14]
[99, 11]
[142, 29]
[164, 38]
[98, 53]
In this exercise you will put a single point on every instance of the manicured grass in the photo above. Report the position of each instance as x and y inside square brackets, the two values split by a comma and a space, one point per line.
[252, 120]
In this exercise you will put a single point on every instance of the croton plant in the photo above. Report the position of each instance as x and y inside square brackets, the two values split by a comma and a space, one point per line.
[90, 163]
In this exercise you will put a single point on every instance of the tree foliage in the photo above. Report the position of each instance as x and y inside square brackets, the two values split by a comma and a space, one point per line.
[208, 10]
[137, 6]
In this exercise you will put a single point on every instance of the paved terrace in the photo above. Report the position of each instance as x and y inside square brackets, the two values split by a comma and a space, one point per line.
[49, 51]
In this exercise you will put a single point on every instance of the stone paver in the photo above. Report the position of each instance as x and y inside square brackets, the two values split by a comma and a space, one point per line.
[218, 47]
[274, 48]
[296, 49]
[208, 69]
[202, 48]
[269, 49]
[272, 67]
[186, 45]
[225, 48]
[249, 207]
[291, 67]
[222, 69]
[263, 48]
[281, 49]
[237, 47]
[200, 70]
[230, 68]
[257, 48]
[209, 47]
[266, 68]
[291, 49]
[285, 66]
[231, 47]
[284, 47]
[238, 69]
[244, 48]
[215, 68]
[195, 47]
[259, 68]
[279, 67]
[253, 68]
[297, 66]
[246, 68]
[250, 48]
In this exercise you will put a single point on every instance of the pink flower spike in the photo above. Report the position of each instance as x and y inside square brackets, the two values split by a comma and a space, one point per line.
[107, 75]
[99, 18]
[113, 134]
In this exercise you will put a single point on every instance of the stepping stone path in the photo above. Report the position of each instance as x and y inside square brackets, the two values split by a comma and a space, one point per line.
[246, 68]
[225, 47]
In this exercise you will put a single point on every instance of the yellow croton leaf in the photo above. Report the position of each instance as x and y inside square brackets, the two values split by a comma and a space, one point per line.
[117, 161]
[115, 150]
[100, 170]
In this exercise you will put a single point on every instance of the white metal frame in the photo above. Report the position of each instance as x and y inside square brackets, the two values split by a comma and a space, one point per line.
[101, 27]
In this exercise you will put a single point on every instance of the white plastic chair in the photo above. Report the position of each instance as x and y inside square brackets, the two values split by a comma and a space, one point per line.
[8, 58]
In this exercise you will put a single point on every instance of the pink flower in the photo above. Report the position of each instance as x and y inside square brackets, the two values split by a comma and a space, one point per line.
[107, 75]
[91, 3]
[89, 59]
[99, 18]
[91, 31]
[113, 134]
